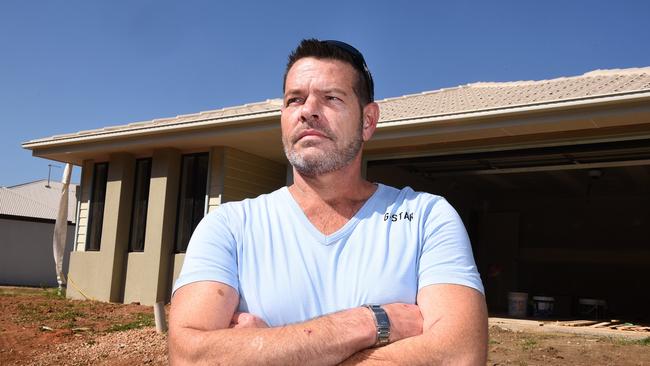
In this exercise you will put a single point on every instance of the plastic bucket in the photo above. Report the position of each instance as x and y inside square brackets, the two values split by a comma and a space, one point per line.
[543, 306]
[517, 304]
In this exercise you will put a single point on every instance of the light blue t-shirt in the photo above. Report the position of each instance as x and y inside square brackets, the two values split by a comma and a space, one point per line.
[286, 271]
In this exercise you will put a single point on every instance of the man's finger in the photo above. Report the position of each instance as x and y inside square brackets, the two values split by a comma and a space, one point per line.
[247, 320]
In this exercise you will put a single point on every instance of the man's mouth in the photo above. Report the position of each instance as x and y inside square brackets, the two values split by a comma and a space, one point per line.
[310, 132]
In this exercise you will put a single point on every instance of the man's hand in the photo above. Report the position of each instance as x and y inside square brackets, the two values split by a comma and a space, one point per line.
[405, 320]
[246, 320]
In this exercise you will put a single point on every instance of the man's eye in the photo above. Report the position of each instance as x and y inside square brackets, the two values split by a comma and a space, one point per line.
[331, 97]
[291, 101]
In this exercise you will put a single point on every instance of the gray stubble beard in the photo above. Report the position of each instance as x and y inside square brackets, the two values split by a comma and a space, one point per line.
[327, 161]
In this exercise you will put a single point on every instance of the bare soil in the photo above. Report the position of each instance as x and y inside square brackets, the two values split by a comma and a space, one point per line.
[38, 327]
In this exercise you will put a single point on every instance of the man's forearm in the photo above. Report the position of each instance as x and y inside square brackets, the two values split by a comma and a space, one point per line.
[424, 349]
[326, 340]
[455, 332]
[419, 350]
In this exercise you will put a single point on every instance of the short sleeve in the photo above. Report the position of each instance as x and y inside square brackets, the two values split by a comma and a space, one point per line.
[446, 252]
[211, 253]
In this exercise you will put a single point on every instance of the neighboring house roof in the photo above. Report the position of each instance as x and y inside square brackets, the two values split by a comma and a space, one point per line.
[473, 98]
[35, 200]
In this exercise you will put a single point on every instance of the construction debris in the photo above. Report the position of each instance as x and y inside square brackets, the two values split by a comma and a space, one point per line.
[612, 324]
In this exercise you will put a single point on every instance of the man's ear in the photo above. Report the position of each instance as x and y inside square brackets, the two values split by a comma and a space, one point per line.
[370, 118]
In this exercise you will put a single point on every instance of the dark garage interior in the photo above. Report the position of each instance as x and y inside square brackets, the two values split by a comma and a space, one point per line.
[565, 222]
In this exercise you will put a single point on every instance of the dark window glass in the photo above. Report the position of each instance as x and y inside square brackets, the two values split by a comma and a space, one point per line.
[97, 199]
[191, 197]
[140, 203]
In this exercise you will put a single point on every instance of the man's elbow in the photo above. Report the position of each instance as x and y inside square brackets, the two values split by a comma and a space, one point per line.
[179, 349]
[187, 347]
[471, 351]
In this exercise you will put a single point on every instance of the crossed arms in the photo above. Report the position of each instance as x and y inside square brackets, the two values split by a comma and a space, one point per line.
[448, 326]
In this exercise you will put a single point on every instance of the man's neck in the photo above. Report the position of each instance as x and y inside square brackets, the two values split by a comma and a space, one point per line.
[330, 200]
[340, 187]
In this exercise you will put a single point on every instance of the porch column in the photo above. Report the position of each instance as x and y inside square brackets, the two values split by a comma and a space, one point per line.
[148, 272]
[99, 275]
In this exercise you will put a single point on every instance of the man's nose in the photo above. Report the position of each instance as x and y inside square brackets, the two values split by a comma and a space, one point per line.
[311, 109]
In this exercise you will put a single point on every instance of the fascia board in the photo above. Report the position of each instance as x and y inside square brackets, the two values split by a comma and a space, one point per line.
[147, 130]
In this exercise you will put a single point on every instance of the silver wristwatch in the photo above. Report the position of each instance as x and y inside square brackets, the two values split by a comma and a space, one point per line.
[381, 322]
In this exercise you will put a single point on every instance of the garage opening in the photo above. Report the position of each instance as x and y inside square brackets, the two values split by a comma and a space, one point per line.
[569, 224]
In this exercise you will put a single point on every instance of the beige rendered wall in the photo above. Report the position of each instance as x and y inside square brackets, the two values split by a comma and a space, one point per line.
[178, 259]
[113, 274]
[100, 274]
[148, 272]
[235, 175]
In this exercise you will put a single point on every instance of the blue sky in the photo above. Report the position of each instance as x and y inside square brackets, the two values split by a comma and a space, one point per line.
[67, 66]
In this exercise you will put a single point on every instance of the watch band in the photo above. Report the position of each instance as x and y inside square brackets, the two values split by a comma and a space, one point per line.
[381, 322]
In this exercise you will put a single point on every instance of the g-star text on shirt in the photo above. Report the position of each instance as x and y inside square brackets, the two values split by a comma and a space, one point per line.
[398, 216]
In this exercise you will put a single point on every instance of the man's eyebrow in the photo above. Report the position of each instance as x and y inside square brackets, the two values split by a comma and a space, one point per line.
[292, 92]
[335, 90]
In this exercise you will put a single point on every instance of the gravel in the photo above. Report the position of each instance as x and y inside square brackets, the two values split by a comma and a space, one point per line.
[132, 347]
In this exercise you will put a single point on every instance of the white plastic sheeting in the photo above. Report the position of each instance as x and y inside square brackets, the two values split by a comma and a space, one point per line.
[61, 227]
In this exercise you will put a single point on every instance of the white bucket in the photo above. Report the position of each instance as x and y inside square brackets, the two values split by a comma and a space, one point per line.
[517, 304]
[543, 306]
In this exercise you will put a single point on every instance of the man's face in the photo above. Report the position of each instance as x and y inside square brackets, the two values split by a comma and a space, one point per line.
[321, 117]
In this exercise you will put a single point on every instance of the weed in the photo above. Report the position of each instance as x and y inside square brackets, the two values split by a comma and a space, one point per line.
[142, 320]
[30, 313]
[528, 343]
[53, 293]
[68, 314]
[638, 342]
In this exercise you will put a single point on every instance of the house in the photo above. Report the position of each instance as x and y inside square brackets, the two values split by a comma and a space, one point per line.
[551, 177]
[27, 215]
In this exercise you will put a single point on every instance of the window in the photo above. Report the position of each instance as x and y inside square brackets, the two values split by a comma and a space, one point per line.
[191, 197]
[97, 199]
[140, 204]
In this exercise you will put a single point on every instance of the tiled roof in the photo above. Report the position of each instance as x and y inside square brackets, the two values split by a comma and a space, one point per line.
[489, 96]
[469, 98]
[36, 200]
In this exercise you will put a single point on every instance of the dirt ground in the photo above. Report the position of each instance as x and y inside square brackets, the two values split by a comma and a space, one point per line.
[38, 327]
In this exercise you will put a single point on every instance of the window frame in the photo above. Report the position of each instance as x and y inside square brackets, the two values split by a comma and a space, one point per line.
[96, 237]
[197, 200]
[136, 201]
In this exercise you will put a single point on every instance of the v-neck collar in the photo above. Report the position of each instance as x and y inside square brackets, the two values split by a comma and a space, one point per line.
[341, 232]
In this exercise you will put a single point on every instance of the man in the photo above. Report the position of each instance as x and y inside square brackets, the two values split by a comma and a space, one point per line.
[283, 279]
